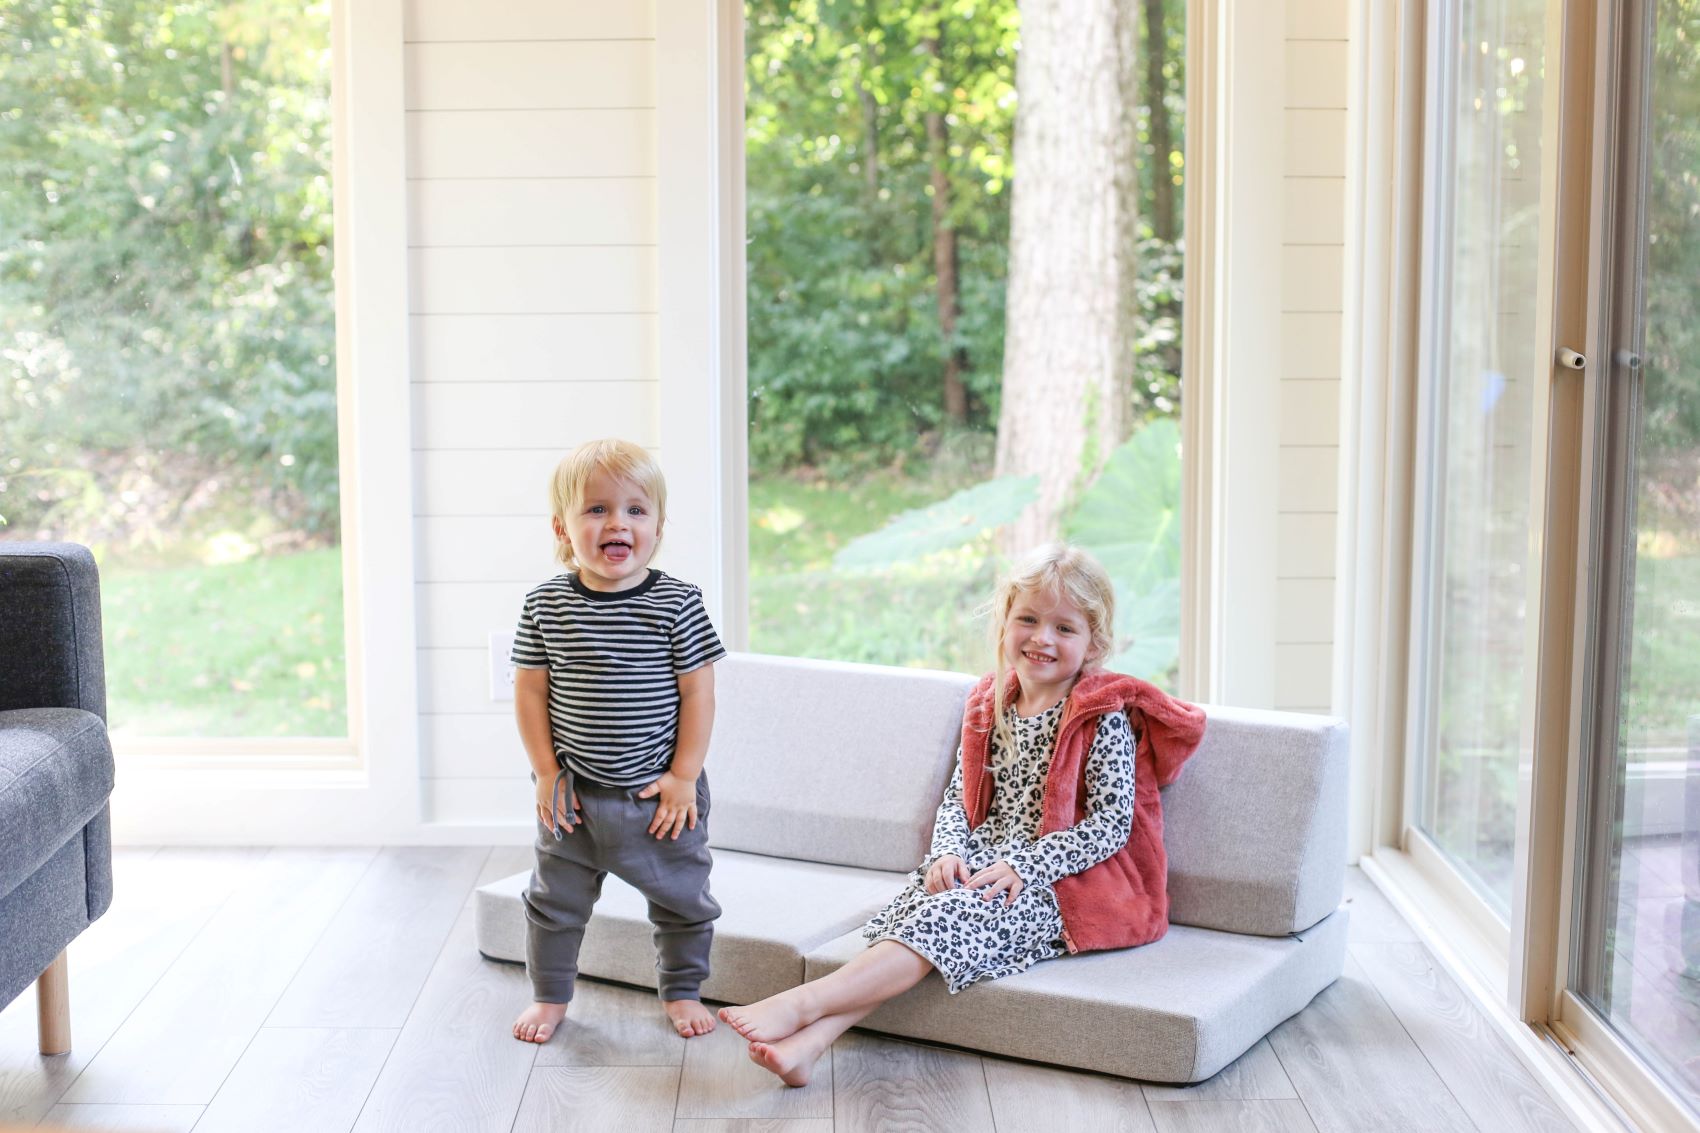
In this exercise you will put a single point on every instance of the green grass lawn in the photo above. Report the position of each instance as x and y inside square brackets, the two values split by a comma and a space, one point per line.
[801, 606]
[244, 649]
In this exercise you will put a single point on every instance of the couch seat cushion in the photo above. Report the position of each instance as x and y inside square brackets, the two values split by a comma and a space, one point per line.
[774, 911]
[55, 775]
[1178, 1010]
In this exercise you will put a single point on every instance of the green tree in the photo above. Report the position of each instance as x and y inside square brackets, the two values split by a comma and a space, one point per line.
[166, 305]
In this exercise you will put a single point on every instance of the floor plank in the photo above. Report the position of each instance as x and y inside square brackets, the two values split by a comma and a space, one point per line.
[753, 1125]
[1480, 1070]
[199, 929]
[1226, 1116]
[609, 1025]
[456, 1066]
[161, 900]
[1255, 1076]
[1371, 915]
[887, 1085]
[1355, 1068]
[369, 965]
[592, 1099]
[505, 861]
[1040, 1097]
[123, 1118]
[182, 1040]
[291, 1079]
[721, 1081]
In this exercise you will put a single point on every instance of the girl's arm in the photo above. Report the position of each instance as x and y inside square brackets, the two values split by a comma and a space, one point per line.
[1109, 811]
[950, 826]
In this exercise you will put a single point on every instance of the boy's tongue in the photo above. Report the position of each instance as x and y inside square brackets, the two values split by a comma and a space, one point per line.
[616, 552]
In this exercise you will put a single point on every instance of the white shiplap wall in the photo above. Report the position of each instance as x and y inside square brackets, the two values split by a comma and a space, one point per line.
[532, 233]
[1313, 249]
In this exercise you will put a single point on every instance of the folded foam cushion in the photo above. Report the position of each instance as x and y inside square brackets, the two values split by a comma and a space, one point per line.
[1255, 826]
[1177, 1010]
[55, 776]
[774, 911]
[831, 762]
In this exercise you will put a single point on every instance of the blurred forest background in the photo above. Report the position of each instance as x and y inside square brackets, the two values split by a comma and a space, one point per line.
[167, 346]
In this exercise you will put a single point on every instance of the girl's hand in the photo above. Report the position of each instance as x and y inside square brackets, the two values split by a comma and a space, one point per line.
[545, 804]
[946, 873]
[677, 808]
[999, 877]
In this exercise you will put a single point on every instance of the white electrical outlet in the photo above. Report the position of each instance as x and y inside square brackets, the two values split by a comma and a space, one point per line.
[501, 669]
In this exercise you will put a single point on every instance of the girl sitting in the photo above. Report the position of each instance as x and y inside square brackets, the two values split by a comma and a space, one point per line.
[1050, 836]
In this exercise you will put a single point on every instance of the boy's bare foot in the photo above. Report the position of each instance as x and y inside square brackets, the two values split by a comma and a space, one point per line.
[788, 1059]
[537, 1022]
[690, 1018]
[774, 1018]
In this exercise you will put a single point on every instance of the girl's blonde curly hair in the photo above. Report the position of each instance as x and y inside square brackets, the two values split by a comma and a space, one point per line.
[1057, 570]
[620, 459]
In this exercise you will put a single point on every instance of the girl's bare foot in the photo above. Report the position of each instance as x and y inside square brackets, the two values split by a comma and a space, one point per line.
[790, 1060]
[774, 1018]
[537, 1022]
[690, 1018]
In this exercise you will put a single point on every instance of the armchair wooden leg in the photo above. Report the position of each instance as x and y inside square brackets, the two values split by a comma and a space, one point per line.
[53, 1007]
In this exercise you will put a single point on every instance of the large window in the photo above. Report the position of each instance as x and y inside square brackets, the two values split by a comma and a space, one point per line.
[964, 305]
[1479, 334]
[167, 358]
[1549, 808]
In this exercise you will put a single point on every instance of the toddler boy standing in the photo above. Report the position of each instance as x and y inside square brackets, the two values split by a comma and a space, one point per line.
[614, 696]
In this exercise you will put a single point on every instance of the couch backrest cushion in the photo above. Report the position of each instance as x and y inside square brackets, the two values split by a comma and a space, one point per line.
[50, 647]
[1256, 824]
[831, 762]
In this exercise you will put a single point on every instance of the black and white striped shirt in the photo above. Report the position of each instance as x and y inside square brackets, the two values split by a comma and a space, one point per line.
[614, 662]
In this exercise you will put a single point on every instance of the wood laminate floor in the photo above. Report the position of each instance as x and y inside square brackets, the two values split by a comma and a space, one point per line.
[319, 991]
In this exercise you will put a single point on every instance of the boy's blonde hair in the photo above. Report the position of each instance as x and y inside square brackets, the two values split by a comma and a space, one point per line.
[620, 459]
[1062, 571]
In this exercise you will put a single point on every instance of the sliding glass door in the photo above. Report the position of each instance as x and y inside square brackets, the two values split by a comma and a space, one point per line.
[1636, 940]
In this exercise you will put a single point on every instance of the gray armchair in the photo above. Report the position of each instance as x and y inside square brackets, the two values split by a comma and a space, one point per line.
[55, 772]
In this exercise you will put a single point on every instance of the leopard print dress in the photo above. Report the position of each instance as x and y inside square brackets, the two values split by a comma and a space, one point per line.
[968, 938]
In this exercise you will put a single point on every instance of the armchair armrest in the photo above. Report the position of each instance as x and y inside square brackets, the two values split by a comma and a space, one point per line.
[50, 639]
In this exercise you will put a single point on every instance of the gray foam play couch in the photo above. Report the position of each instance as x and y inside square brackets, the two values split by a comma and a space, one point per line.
[824, 779]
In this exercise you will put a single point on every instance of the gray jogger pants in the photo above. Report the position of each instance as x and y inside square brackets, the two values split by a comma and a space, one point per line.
[612, 836]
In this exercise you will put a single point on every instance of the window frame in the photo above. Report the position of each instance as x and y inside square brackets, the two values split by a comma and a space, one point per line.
[363, 786]
[1517, 973]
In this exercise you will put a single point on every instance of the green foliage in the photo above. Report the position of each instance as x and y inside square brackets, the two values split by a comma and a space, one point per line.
[845, 344]
[917, 614]
[1129, 518]
[960, 519]
[846, 350]
[166, 305]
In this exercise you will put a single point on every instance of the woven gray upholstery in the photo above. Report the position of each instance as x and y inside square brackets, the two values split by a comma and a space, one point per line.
[56, 769]
[50, 647]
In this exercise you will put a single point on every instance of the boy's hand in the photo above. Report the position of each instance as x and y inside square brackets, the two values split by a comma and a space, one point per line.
[677, 808]
[946, 873]
[999, 877]
[545, 805]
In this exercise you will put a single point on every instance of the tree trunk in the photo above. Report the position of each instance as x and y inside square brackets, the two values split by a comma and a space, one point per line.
[946, 260]
[1157, 89]
[870, 141]
[1069, 317]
